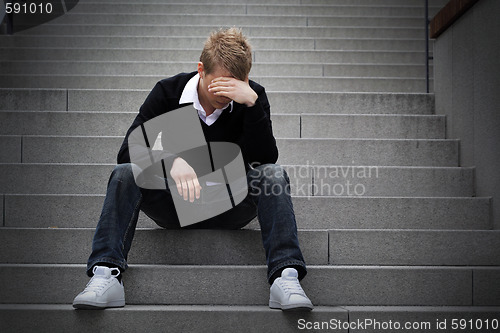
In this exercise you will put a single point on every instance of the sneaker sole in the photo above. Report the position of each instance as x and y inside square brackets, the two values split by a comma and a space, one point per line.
[291, 307]
[99, 306]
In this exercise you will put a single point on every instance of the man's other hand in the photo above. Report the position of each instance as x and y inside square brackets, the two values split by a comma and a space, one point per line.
[186, 180]
[237, 90]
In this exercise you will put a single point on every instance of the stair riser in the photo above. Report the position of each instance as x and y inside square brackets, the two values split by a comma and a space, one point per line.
[398, 247]
[77, 211]
[367, 181]
[281, 102]
[158, 247]
[158, 319]
[182, 247]
[164, 54]
[380, 127]
[187, 19]
[320, 84]
[172, 42]
[438, 153]
[157, 68]
[35, 149]
[432, 3]
[415, 3]
[235, 9]
[284, 126]
[229, 285]
[58, 318]
[242, 20]
[376, 181]
[193, 42]
[250, 31]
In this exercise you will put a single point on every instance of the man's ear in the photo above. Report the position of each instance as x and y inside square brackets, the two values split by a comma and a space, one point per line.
[201, 68]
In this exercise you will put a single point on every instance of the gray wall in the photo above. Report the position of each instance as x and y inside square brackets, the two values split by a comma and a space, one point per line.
[467, 91]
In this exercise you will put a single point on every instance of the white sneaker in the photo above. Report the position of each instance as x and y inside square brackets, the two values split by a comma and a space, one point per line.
[287, 294]
[103, 290]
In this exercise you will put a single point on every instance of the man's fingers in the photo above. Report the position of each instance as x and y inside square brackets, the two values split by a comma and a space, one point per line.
[179, 186]
[197, 188]
[222, 79]
[185, 179]
[184, 189]
[191, 190]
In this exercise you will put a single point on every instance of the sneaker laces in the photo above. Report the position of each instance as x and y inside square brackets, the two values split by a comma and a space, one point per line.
[98, 282]
[292, 286]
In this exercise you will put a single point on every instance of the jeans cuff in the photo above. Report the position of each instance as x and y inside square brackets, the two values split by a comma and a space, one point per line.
[122, 265]
[299, 265]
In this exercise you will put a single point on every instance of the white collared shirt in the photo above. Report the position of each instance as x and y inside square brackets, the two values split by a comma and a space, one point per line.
[190, 95]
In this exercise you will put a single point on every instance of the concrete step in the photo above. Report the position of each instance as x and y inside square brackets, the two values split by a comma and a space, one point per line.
[436, 153]
[250, 9]
[395, 44]
[250, 31]
[198, 19]
[459, 213]
[346, 84]
[220, 318]
[238, 20]
[322, 84]
[414, 247]
[281, 102]
[305, 180]
[366, 21]
[228, 285]
[432, 3]
[385, 181]
[183, 55]
[372, 126]
[284, 126]
[156, 246]
[343, 10]
[155, 318]
[287, 126]
[345, 56]
[74, 149]
[184, 42]
[42, 67]
[243, 247]
[194, 42]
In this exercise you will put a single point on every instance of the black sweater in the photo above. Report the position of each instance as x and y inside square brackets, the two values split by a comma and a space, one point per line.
[249, 127]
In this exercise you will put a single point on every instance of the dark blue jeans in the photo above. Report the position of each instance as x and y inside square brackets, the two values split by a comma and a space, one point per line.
[269, 199]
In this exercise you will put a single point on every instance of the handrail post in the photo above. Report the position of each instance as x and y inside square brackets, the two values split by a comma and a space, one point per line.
[427, 45]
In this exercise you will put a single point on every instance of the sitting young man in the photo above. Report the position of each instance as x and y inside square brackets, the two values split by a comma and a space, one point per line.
[231, 109]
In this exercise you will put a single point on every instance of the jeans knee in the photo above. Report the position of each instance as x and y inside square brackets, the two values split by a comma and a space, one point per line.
[272, 174]
[123, 172]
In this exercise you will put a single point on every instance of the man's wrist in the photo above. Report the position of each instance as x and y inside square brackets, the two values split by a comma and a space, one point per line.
[253, 99]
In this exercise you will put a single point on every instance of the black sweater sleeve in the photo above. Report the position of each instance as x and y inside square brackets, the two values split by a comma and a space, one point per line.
[149, 109]
[257, 142]
[163, 97]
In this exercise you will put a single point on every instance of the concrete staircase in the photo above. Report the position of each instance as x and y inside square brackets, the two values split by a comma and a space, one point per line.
[389, 224]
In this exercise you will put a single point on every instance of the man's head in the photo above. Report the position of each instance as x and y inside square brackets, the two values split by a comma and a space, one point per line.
[227, 49]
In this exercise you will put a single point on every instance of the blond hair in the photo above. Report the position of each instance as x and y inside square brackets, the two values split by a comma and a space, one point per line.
[229, 49]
